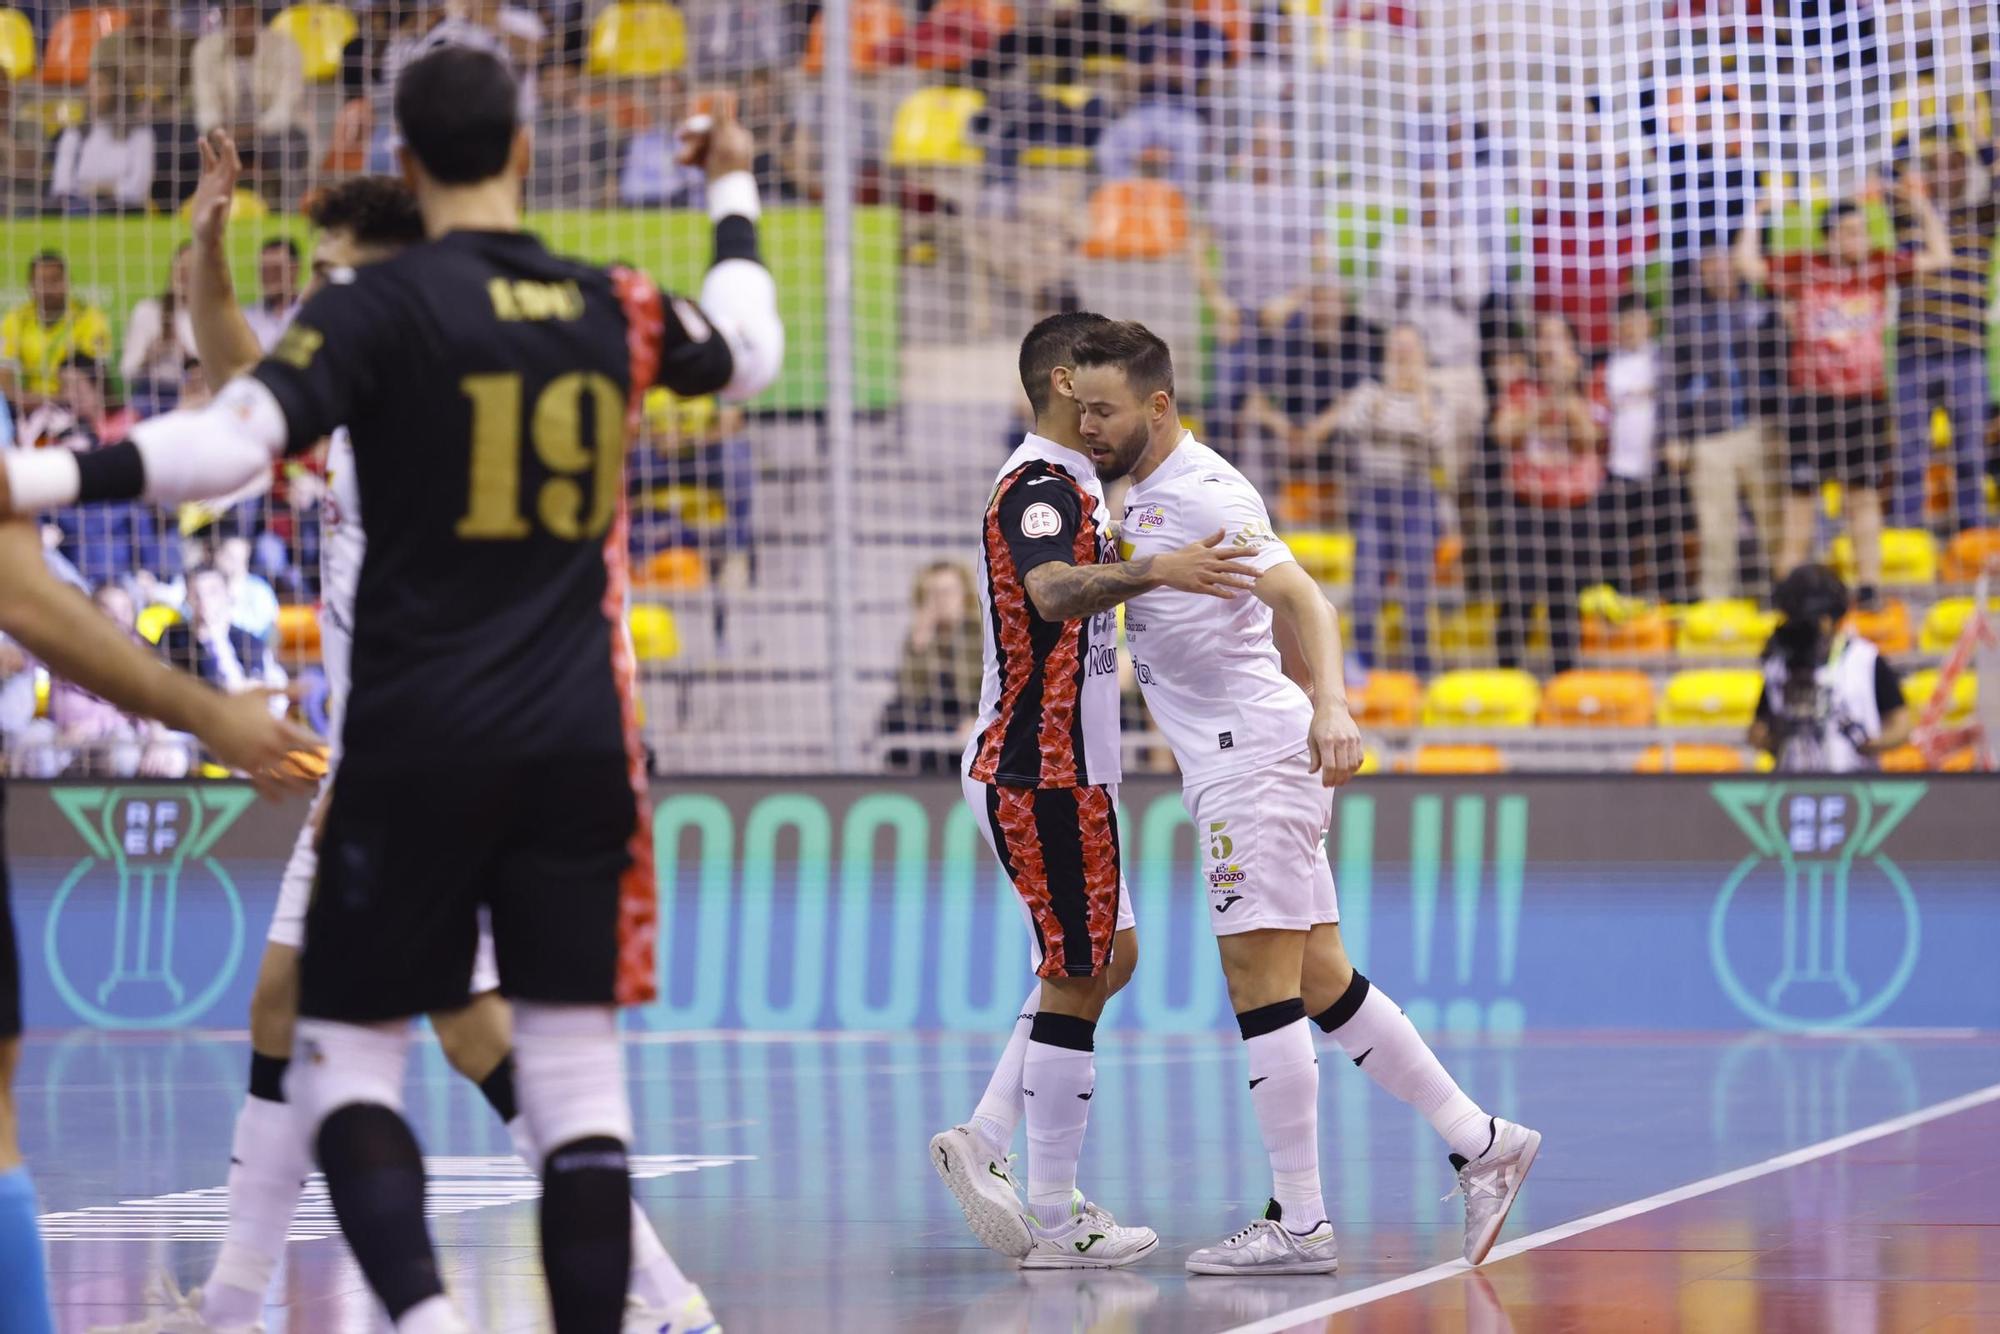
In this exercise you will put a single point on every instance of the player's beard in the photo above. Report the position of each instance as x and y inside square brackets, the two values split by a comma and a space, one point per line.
[1124, 456]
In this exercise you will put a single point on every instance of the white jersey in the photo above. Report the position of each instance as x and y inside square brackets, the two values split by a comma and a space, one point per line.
[1208, 666]
[1048, 703]
[341, 546]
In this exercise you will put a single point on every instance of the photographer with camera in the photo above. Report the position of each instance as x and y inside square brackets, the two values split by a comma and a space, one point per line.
[1831, 702]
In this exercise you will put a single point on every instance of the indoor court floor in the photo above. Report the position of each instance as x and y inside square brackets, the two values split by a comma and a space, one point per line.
[1687, 1181]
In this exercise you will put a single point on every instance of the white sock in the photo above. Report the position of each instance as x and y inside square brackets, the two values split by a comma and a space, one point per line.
[1056, 1084]
[433, 1315]
[656, 1279]
[999, 1109]
[1284, 1089]
[1380, 1039]
[269, 1160]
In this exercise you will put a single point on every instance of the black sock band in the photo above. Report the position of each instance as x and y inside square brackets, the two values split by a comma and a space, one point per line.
[1064, 1030]
[115, 472]
[375, 1176]
[587, 1232]
[499, 1089]
[1342, 1010]
[736, 238]
[1270, 1018]
[267, 1076]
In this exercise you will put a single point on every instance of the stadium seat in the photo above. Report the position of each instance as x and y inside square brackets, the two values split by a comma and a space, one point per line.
[66, 61]
[1455, 760]
[1918, 687]
[353, 130]
[1598, 699]
[321, 33]
[298, 631]
[1711, 697]
[1448, 562]
[154, 620]
[956, 32]
[17, 44]
[654, 638]
[1970, 552]
[1137, 219]
[1387, 699]
[637, 39]
[1468, 629]
[244, 206]
[1909, 556]
[875, 27]
[1732, 629]
[43, 684]
[674, 568]
[1691, 758]
[1371, 763]
[1327, 557]
[1946, 621]
[1614, 624]
[932, 129]
[1903, 760]
[1888, 626]
[1486, 697]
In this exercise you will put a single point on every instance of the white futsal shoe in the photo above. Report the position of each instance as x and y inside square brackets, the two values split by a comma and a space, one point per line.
[1490, 1183]
[984, 1188]
[182, 1316]
[691, 1316]
[1090, 1238]
[1266, 1246]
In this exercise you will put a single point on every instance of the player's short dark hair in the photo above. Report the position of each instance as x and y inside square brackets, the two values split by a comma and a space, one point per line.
[1835, 211]
[84, 362]
[284, 243]
[41, 257]
[1632, 301]
[1133, 348]
[1052, 343]
[375, 210]
[458, 110]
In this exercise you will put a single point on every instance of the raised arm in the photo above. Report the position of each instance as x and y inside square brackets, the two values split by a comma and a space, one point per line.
[1310, 623]
[1748, 253]
[222, 337]
[1936, 253]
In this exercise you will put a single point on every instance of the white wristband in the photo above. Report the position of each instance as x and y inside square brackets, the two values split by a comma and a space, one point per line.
[41, 479]
[734, 195]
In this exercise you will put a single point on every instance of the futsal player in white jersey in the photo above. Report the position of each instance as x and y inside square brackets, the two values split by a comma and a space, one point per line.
[1260, 755]
[359, 221]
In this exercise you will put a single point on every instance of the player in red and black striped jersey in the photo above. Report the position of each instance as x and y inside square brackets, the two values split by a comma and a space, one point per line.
[490, 741]
[1041, 773]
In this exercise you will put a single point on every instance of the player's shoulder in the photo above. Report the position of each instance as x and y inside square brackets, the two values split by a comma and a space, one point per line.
[1207, 476]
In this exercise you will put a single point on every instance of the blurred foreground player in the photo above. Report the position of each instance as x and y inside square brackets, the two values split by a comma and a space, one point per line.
[489, 749]
[82, 645]
[359, 221]
[1041, 774]
[1258, 757]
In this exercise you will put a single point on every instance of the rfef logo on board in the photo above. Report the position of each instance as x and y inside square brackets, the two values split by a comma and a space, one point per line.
[112, 941]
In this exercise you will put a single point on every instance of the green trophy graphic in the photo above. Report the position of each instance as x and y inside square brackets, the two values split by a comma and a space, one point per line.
[149, 836]
[1815, 830]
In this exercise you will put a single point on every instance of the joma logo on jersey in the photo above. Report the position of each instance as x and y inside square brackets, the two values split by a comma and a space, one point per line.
[524, 299]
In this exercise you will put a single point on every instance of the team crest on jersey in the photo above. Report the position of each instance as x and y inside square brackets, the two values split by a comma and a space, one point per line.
[1147, 518]
[1041, 520]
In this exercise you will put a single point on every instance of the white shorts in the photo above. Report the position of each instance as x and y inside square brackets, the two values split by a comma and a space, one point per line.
[288, 923]
[1064, 862]
[1262, 838]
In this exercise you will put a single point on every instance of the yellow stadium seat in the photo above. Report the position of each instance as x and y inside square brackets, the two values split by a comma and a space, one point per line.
[1732, 629]
[244, 206]
[17, 44]
[1468, 629]
[154, 620]
[1598, 699]
[1694, 758]
[1918, 687]
[43, 685]
[298, 631]
[633, 39]
[1946, 621]
[1137, 219]
[1455, 760]
[1502, 697]
[1387, 699]
[1970, 552]
[1711, 697]
[1909, 556]
[654, 636]
[1888, 626]
[1327, 557]
[1371, 763]
[321, 33]
[931, 129]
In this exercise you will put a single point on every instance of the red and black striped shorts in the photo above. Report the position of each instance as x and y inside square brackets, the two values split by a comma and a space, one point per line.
[1059, 846]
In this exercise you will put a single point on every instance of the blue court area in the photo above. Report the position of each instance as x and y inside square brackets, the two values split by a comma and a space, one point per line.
[788, 1173]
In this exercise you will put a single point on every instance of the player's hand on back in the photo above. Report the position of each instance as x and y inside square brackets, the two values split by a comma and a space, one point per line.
[216, 189]
[1335, 744]
[1206, 567]
[242, 733]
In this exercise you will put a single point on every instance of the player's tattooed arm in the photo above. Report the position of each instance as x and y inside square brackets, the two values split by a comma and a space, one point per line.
[1066, 592]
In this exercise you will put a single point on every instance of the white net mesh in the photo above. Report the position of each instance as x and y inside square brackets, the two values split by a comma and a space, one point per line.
[1451, 282]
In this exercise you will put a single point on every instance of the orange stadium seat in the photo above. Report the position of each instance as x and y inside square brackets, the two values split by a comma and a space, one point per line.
[1598, 699]
[1888, 626]
[674, 568]
[66, 61]
[1903, 760]
[1646, 633]
[875, 28]
[1970, 552]
[1387, 699]
[298, 631]
[1137, 219]
[1455, 760]
[1692, 759]
[1448, 562]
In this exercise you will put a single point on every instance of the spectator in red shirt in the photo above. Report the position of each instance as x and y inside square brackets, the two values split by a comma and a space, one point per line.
[1837, 307]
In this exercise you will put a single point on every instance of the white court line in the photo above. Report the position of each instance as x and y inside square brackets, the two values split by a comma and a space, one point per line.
[1347, 1301]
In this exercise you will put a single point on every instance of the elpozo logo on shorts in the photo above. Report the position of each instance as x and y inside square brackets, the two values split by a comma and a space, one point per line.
[146, 931]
